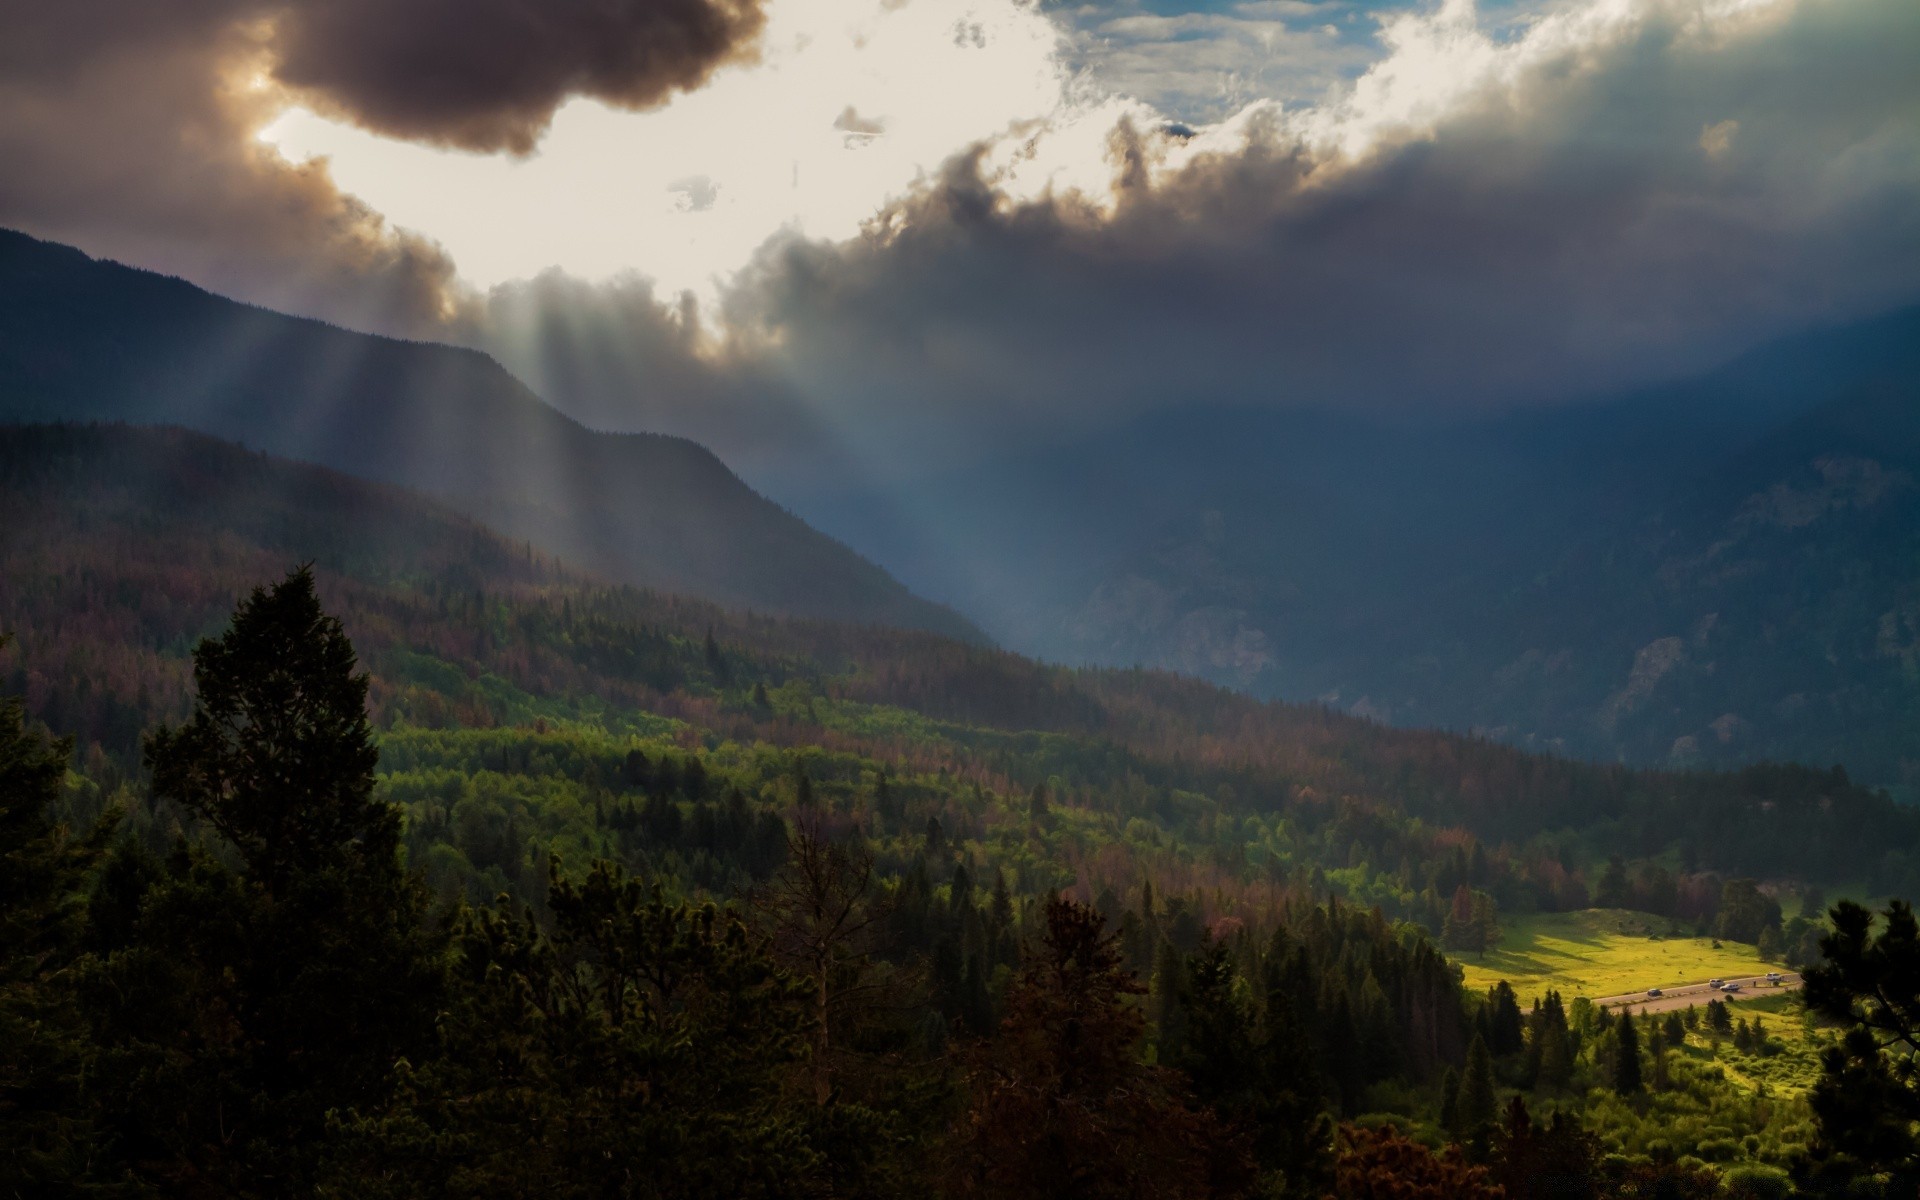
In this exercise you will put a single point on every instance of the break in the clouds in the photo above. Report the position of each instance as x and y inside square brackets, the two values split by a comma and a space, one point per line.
[1203, 63]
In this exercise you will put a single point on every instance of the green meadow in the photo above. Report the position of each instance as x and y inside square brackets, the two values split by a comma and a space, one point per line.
[1603, 952]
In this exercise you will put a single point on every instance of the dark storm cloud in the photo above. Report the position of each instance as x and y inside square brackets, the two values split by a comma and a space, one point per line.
[488, 74]
[128, 128]
[1620, 209]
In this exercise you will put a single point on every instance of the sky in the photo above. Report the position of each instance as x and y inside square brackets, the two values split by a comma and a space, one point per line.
[869, 237]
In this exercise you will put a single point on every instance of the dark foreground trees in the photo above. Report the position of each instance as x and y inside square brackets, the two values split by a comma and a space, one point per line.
[642, 1048]
[267, 1007]
[44, 1138]
[1061, 1104]
[1868, 1099]
[262, 976]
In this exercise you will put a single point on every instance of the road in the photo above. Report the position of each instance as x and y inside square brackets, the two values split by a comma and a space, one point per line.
[1683, 994]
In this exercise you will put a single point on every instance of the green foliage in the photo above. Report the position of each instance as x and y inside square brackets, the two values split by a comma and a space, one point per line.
[638, 1049]
[1061, 1106]
[235, 1005]
[46, 1141]
[1478, 1101]
[1868, 1098]
[1626, 1057]
[1251, 1063]
[255, 956]
[1746, 912]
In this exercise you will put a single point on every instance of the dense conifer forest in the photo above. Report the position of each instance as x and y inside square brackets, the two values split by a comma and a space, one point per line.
[352, 850]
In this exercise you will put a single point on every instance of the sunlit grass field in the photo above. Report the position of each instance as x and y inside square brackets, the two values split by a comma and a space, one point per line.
[1603, 952]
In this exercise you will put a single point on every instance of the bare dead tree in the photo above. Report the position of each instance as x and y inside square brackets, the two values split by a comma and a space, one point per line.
[824, 916]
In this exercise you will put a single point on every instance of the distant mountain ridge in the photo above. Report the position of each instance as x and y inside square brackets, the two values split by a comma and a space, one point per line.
[1715, 570]
[82, 339]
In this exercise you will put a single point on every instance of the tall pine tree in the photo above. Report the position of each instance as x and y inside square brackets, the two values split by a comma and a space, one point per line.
[279, 967]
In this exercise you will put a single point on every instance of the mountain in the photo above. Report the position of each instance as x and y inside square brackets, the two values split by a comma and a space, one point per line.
[1715, 570]
[85, 340]
[122, 546]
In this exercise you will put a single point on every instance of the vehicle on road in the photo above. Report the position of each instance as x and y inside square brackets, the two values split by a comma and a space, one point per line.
[1731, 987]
[1716, 984]
[1775, 978]
[1653, 993]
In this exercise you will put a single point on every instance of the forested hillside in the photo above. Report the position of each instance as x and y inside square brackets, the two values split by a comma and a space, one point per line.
[125, 545]
[82, 339]
[792, 908]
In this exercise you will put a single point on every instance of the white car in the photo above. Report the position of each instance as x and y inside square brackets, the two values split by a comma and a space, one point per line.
[1716, 984]
[1731, 987]
[1775, 977]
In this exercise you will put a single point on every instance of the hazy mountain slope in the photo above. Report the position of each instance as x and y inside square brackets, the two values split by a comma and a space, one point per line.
[88, 340]
[123, 545]
[1525, 575]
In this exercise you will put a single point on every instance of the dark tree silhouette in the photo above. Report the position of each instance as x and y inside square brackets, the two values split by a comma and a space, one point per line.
[46, 1143]
[240, 1006]
[1061, 1104]
[1868, 1099]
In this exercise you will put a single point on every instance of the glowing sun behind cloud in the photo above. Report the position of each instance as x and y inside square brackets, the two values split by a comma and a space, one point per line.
[847, 106]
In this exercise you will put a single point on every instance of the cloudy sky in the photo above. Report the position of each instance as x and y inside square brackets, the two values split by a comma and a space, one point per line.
[822, 234]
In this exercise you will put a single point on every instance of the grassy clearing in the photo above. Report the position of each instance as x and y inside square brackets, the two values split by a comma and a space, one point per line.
[1603, 952]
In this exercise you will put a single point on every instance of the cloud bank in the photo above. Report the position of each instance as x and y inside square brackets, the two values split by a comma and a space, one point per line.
[1613, 192]
[1627, 191]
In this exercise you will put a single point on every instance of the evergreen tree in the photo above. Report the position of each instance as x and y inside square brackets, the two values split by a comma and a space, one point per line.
[278, 757]
[1657, 1055]
[46, 1138]
[1675, 1029]
[1719, 1017]
[1552, 1162]
[1167, 995]
[1253, 1072]
[1550, 1049]
[642, 1049]
[1505, 1027]
[1613, 890]
[1478, 1102]
[1061, 1104]
[242, 1005]
[1626, 1061]
[1867, 1101]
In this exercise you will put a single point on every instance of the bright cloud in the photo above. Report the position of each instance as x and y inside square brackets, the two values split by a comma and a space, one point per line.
[848, 106]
